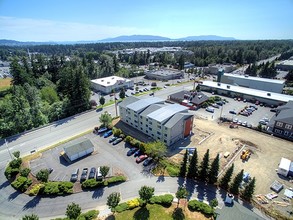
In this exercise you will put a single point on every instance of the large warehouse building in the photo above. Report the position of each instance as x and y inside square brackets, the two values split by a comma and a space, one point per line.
[161, 121]
[252, 95]
[270, 85]
[164, 74]
[112, 83]
[285, 65]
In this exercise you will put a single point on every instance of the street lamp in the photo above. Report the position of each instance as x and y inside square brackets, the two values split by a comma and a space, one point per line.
[8, 149]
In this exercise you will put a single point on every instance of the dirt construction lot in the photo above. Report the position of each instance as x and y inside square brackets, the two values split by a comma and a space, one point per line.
[266, 150]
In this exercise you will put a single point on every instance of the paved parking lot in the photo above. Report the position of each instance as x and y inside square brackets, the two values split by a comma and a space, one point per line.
[237, 106]
[105, 154]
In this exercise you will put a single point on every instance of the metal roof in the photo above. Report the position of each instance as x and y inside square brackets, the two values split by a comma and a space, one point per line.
[248, 91]
[150, 109]
[143, 103]
[177, 117]
[80, 146]
[166, 112]
[128, 101]
[246, 77]
[110, 80]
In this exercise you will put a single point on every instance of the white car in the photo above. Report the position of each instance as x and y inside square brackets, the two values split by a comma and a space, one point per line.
[210, 109]
[244, 123]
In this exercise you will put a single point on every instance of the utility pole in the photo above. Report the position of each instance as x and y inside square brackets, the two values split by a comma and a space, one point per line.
[8, 150]
[115, 105]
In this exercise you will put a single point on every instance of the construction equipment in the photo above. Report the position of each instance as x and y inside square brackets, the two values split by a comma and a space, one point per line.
[245, 155]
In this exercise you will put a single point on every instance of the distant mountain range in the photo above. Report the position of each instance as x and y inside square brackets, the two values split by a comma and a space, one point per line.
[130, 38]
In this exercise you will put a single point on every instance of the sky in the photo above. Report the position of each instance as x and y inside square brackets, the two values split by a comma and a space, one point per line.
[90, 20]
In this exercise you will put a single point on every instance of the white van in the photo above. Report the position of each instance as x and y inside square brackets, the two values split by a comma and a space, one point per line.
[99, 176]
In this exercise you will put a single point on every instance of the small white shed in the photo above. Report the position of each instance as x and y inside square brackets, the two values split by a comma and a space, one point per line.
[229, 198]
[284, 167]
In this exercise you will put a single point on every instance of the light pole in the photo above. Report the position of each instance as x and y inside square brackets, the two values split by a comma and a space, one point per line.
[8, 149]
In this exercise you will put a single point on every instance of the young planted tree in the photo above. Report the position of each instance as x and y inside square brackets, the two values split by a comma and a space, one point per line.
[249, 190]
[193, 167]
[102, 100]
[181, 194]
[105, 119]
[214, 170]
[236, 183]
[214, 203]
[16, 154]
[73, 211]
[104, 171]
[113, 199]
[183, 167]
[43, 175]
[122, 94]
[224, 182]
[204, 166]
[146, 193]
[156, 149]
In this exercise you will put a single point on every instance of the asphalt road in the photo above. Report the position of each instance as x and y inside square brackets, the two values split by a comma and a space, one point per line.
[14, 205]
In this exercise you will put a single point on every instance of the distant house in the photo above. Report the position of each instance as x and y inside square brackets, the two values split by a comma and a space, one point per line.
[281, 123]
[164, 74]
[188, 65]
[189, 98]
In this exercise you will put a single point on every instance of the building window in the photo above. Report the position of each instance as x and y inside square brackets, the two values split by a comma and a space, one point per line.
[126, 120]
[286, 133]
[147, 119]
[150, 123]
[140, 128]
[141, 123]
[153, 135]
[165, 141]
[278, 131]
[150, 129]
[140, 117]
[279, 124]
[287, 126]
[165, 135]
[159, 126]
[159, 133]
[147, 125]
[135, 115]
[136, 126]
[131, 123]
[135, 121]
[146, 131]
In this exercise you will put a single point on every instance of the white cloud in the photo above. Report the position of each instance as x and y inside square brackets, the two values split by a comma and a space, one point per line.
[26, 29]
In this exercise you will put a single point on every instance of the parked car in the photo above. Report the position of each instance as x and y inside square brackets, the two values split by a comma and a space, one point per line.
[137, 153]
[92, 173]
[108, 133]
[99, 176]
[233, 112]
[253, 106]
[50, 170]
[244, 123]
[215, 106]
[83, 174]
[102, 130]
[262, 122]
[210, 109]
[141, 158]
[117, 141]
[147, 161]
[74, 175]
[112, 139]
[131, 151]
[273, 110]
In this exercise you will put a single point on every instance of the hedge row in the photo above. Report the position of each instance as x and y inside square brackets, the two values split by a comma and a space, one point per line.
[198, 206]
[92, 183]
[164, 200]
[134, 142]
[52, 188]
[21, 183]
[131, 204]
[90, 215]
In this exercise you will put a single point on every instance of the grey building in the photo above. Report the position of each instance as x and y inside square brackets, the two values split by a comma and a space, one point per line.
[189, 98]
[286, 65]
[270, 85]
[164, 74]
[161, 121]
[281, 124]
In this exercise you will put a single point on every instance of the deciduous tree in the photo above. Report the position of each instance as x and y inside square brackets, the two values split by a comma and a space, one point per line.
[181, 194]
[104, 171]
[73, 211]
[146, 193]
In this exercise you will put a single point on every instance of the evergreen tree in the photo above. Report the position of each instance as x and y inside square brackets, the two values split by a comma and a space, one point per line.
[249, 190]
[183, 167]
[102, 100]
[113, 199]
[236, 183]
[193, 167]
[204, 166]
[122, 94]
[224, 182]
[73, 211]
[181, 62]
[214, 170]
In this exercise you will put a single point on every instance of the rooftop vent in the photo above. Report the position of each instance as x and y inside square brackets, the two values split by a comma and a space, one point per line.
[246, 75]
[228, 87]
[102, 80]
[269, 94]
[219, 84]
[108, 82]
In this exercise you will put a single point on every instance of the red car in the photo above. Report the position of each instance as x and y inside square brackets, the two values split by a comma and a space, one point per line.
[141, 158]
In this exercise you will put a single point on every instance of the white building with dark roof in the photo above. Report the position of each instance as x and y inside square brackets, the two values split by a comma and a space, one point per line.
[112, 83]
[161, 121]
[270, 85]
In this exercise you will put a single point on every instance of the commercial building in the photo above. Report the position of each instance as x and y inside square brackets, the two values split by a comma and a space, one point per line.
[77, 150]
[161, 121]
[286, 65]
[253, 95]
[190, 99]
[112, 83]
[270, 85]
[281, 124]
[215, 68]
[164, 74]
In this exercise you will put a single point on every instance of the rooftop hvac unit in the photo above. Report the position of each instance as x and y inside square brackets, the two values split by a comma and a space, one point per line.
[219, 84]
[228, 87]
[269, 94]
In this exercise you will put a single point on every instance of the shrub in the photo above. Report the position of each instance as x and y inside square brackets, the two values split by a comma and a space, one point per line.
[133, 203]
[91, 183]
[65, 187]
[11, 172]
[121, 207]
[58, 188]
[21, 183]
[15, 163]
[115, 179]
[195, 205]
[165, 200]
[128, 139]
[43, 175]
[36, 189]
[92, 214]
[25, 172]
